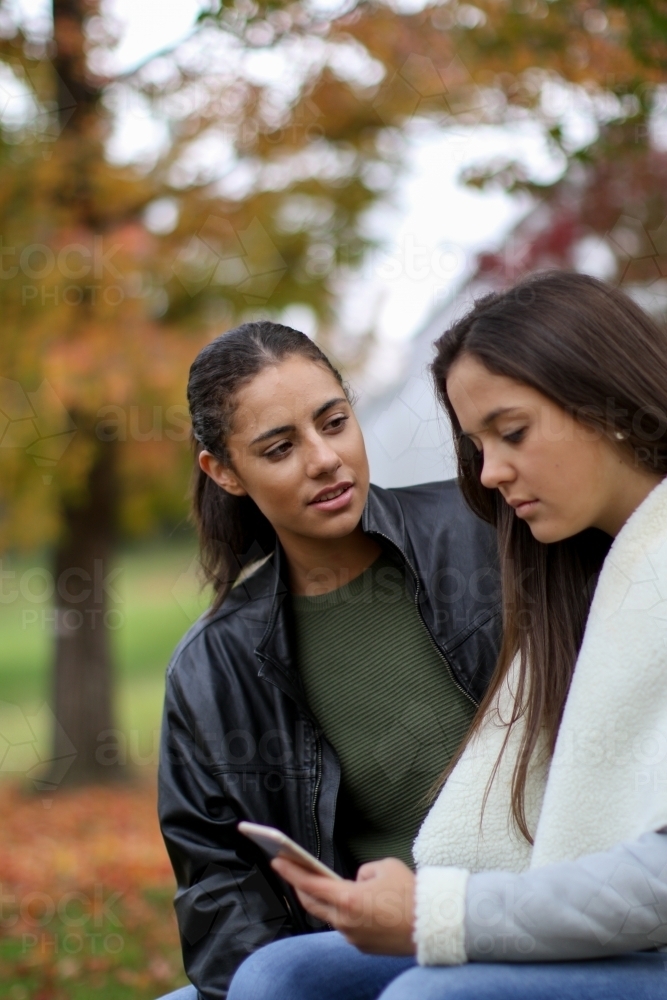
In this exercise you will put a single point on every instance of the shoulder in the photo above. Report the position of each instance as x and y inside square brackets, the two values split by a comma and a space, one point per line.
[225, 641]
[443, 495]
[439, 509]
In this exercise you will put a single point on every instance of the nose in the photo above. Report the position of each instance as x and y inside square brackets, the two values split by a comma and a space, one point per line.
[496, 470]
[321, 458]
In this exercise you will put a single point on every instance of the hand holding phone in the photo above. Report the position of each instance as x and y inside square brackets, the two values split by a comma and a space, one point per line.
[278, 844]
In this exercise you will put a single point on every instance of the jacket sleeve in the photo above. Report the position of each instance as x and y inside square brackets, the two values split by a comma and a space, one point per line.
[601, 904]
[227, 902]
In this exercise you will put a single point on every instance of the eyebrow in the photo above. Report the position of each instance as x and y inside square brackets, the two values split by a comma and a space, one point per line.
[490, 417]
[265, 435]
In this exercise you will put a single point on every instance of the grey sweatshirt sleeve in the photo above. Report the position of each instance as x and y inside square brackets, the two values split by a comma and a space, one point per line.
[601, 904]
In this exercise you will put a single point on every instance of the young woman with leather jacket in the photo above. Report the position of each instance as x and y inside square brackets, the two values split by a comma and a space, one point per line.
[352, 634]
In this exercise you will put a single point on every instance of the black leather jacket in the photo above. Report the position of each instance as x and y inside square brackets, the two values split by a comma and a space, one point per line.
[239, 741]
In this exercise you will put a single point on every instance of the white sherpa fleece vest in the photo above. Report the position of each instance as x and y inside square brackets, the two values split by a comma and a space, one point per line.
[607, 780]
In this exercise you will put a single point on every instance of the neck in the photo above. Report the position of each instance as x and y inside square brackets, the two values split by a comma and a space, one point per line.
[635, 488]
[320, 565]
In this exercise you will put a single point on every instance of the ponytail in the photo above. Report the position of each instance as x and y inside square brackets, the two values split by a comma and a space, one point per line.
[233, 532]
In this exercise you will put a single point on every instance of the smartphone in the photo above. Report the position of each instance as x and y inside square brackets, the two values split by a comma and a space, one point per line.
[276, 843]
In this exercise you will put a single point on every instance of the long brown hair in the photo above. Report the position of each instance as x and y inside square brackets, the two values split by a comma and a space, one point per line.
[592, 351]
[232, 530]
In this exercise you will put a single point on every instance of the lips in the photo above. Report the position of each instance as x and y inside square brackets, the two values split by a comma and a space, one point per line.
[333, 497]
[522, 507]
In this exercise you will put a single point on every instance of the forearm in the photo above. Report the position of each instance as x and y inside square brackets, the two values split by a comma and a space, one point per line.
[228, 901]
[221, 920]
[602, 904]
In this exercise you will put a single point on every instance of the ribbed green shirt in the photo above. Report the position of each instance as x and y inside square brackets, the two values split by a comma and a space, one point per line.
[384, 699]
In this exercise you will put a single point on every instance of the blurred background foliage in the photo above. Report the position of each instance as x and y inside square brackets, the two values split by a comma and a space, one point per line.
[253, 200]
[277, 127]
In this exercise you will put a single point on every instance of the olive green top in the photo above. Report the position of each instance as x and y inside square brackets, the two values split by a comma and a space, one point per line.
[384, 698]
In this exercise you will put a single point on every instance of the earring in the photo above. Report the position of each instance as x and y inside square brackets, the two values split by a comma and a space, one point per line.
[620, 435]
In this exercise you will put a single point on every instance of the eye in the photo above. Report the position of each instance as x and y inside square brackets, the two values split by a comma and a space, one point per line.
[515, 437]
[336, 423]
[279, 451]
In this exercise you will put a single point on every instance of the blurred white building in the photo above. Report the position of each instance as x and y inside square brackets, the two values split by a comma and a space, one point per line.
[407, 433]
[408, 437]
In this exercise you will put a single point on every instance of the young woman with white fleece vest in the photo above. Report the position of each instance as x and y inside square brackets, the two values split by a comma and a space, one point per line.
[541, 868]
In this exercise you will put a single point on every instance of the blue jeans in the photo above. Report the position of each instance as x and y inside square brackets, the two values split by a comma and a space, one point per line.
[185, 993]
[324, 967]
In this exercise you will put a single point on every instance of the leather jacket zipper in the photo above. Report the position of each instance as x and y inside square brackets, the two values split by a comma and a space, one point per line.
[318, 780]
[421, 619]
[314, 805]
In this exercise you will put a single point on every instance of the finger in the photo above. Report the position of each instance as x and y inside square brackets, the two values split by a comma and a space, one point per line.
[320, 886]
[341, 919]
[342, 899]
[367, 871]
[318, 909]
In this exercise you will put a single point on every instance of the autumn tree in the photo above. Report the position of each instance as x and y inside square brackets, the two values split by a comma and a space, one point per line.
[104, 310]
[251, 200]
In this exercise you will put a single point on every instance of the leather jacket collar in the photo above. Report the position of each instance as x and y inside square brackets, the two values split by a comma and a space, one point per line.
[384, 517]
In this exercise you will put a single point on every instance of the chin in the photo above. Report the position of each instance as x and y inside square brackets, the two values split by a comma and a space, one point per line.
[339, 527]
[344, 527]
[550, 533]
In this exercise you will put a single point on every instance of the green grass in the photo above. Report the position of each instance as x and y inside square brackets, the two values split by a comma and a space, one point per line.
[99, 961]
[159, 600]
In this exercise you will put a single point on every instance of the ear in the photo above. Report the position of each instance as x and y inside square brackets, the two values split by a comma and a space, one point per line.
[221, 474]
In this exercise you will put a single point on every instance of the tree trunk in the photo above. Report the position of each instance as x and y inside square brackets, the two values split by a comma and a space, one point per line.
[86, 613]
[77, 95]
[85, 592]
